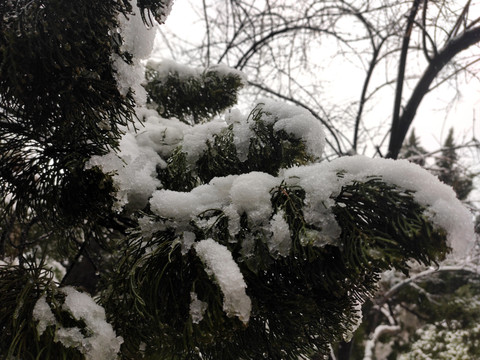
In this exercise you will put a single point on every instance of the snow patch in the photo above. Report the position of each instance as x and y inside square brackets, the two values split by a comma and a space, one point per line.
[196, 138]
[280, 242]
[197, 308]
[220, 265]
[250, 193]
[137, 41]
[298, 122]
[43, 314]
[101, 342]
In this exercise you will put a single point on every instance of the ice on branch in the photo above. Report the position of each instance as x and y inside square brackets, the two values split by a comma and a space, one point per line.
[220, 265]
[97, 341]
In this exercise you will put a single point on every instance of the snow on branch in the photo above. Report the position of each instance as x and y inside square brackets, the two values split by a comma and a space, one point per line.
[219, 264]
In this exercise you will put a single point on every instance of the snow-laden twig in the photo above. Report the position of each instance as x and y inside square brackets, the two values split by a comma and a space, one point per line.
[394, 289]
[379, 331]
[386, 311]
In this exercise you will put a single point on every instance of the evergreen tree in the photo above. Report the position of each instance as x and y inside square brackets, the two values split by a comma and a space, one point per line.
[450, 172]
[413, 151]
[213, 234]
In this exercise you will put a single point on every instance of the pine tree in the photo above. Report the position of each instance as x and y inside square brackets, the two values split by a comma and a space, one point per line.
[213, 234]
[450, 172]
[413, 151]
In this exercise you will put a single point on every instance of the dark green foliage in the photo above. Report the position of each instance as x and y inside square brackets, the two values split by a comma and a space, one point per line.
[178, 174]
[57, 76]
[59, 101]
[157, 8]
[58, 93]
[408, 233]
[59, 105]
[301, 302]
[96, 188]
[192, 98]
[269, 151]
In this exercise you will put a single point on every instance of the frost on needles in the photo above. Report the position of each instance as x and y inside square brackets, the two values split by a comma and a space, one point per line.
[243, 242]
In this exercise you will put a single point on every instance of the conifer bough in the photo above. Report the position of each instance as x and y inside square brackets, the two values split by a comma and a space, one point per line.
[241, 242]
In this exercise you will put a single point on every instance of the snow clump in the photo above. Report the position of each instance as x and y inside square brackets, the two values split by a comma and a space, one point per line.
[220, 265]
[297, 122]
[137, 41]
[321, 184]
[197, 308]
[101, 342]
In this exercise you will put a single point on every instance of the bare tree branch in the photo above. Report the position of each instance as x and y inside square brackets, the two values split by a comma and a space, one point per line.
[402, 66]
[451, 49]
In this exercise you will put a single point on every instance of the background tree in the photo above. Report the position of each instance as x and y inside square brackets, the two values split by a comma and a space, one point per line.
[413, 151]
[451, 172]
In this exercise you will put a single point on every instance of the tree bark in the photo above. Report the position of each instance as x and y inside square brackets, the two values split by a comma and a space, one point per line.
[452, 48]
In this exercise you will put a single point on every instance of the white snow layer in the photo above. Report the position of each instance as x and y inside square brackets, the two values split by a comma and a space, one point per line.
[219, 263]
[101, 342]
[250, 194]
[195, 139]
[247, 193]
[167, 67]
[134, 170]
[279, 242]
[143, 150]
[43, 314]
[138, 40]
